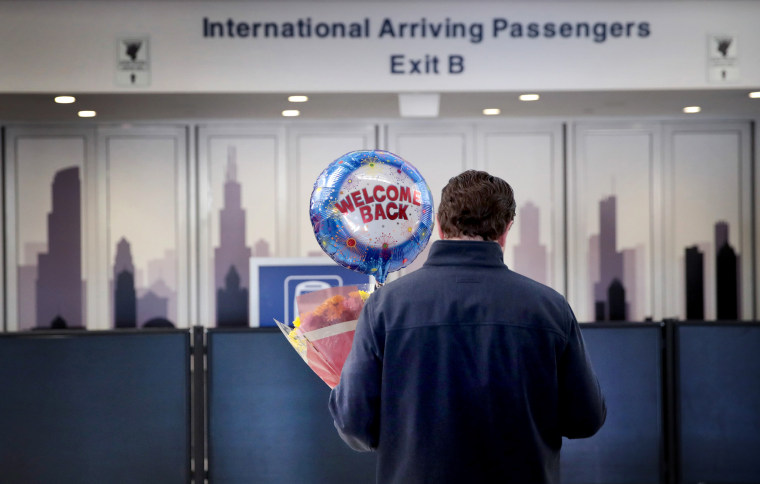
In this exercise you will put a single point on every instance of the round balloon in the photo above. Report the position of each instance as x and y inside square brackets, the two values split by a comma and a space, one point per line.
[372, 212]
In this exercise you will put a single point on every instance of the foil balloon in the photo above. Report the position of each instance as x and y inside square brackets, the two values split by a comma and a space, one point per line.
[372, 212]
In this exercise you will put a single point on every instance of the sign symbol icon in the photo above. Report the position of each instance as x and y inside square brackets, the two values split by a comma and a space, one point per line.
[132, 49]
[723, 44]
[133, 61]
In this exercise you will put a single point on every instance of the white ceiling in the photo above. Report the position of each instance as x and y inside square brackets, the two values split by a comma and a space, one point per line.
[153, 107]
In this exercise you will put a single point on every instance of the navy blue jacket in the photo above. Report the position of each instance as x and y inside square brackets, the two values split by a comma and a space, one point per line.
[466, 372]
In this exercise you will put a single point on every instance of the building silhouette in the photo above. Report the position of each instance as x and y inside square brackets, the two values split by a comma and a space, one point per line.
[125, 296]
[59, 269]
[726, 275]
[150, 305]
[634, 282]
[610, 262]
[232, 252]
[616, 301]
[261, 248]
[695, 283]
[232, 302]
[530, 256]
[162, 281]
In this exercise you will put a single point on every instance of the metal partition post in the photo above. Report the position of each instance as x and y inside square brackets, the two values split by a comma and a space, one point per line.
[198, 365]
[671, 450]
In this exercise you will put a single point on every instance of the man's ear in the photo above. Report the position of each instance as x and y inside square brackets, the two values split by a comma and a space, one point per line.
[502, 240]
[438, 226]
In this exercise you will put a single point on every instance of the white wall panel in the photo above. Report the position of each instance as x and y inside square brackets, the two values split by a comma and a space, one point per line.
[145, 185]
[529, 158]
[311, 148]
[756, 226]
[36, 219]
[249, 159]
[708, 197]
[438, 150]
[611, 220]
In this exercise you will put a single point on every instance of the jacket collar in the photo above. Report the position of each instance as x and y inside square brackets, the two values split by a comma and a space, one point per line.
[465, 252]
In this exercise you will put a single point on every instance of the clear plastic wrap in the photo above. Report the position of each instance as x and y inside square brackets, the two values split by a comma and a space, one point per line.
[323, 332]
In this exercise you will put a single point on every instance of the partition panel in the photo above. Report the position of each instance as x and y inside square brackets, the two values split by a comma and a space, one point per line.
[630, 446]
[717, 402]
[95, 407]
[268, 420]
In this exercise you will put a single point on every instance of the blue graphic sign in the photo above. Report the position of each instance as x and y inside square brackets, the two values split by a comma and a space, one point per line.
[276, 282]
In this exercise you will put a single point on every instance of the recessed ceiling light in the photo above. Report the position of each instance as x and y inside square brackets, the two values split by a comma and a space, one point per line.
[298, 99]
[755, 95]
[529, 97]
[291, 112]
[491, 111]
[692, 109]
[65, 99]
[86, 114]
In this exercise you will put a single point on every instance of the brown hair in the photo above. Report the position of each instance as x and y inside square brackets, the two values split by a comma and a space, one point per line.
[476, 204]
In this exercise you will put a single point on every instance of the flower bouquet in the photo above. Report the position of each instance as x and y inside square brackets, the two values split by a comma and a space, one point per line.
[324, 329]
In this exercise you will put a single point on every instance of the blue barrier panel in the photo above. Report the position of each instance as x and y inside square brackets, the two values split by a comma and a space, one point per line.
[630, 447]
[718, 391]
[95, 407]
[268, 420]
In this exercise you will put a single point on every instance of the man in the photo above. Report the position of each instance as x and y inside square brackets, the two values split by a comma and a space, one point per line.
[464, 371]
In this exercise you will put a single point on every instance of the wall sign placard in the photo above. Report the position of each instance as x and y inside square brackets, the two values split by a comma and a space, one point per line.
[276, 282]
[132, 61]
[722, 54]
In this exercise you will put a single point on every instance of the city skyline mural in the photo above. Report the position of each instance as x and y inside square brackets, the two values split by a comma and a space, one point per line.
[710, 263]
[529, 162]
[49, 230]
[613, 270]
[530, 255]
[611, 225]
[242, 221]
[719, 264]
[52, 290]
[231, 257]
[111, 226]
[142, 223]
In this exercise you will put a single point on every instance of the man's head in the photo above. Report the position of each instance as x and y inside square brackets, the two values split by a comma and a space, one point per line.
[476, 205]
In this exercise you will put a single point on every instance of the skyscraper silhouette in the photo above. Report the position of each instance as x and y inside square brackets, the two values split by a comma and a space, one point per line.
[610, 260]
[530, 255]
[125, 297]
[726, 280]
[232, 251]
[232, 302]
[59, 270]
[616, 301]
[695, 283]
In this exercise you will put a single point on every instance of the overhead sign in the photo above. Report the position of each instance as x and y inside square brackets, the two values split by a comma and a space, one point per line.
[231, 46]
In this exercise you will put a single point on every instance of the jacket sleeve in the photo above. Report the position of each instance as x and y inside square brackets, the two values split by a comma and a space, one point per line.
[355, 402]
[582, 407]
